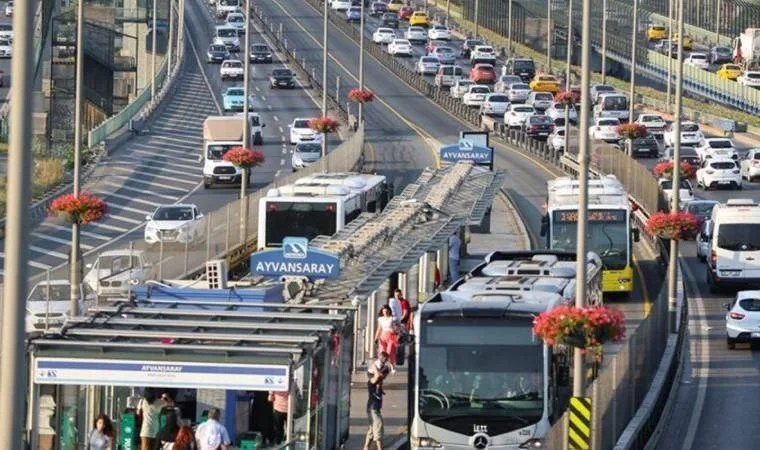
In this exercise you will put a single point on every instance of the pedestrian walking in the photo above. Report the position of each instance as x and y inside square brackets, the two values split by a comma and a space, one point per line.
[168, 433]
[455, 245]
[148, 409]
[184, 439]
[212, 435]
[279, 401]
[377, 373]
[387, 333]
[102, 435]
[394, 303]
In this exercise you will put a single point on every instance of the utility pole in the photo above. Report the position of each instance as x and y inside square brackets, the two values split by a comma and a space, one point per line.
[632, 93]
[549, 30]
[74, 263]
[12, 355]
[509, 28]
[324, 76]
[717, 23]
[246, 80]
[569, 43]
[361, 59]
[579, 378]
[604, 42]
[477, 16]
[670, 53]
[675, 200]
[448, 11]
[170, 40]
[153, 56]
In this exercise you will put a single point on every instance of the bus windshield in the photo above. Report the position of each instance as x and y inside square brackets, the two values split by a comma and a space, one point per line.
[301, 219]
[607, 235]
[480, 371]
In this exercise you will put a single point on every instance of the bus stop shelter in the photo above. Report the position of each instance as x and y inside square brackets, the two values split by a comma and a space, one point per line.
[228, 351]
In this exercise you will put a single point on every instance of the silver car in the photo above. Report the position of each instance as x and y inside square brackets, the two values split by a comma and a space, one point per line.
[427, 65]
[306, 154]
[416, 35]
[445, 55]
[540, 100]
[518, 92]
[703, 240]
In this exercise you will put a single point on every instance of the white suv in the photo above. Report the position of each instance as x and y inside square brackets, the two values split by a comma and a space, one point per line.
[483, 54]
[300, 131]
[715, 172]
[717, 148]
[173, 224]
[734, 258]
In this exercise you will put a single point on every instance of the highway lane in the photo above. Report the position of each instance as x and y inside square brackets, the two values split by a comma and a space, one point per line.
[526, 177]
[5, 63]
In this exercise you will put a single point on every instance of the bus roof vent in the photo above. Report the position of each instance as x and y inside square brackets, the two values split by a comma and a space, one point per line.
[551, 259]
[274, 192]
[354, 182]
[741, 202]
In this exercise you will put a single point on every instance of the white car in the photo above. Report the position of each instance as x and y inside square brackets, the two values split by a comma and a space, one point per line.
[427, 65]
[439, 32]
[400, 47]
[495, 104]
[518, 92]
[557, 112]
[540, 100]
[654, 123]
[231, 69]
[750, 79]
[716, 148]
[685, 192]
[690, 134]
[383, 36]
[9, 9]
[6, 31]
[476, 94]
[237, 21]
[483, 54]
[416, 35]
[715, 173]
[516, 115]
[114, 270]
[556, 140]
[173, 224]
[750, 164]
[6, 48]
[340, 5]
[48, 304]
[300, 131]
[505, 81]
[605, 129]
[698, 60]
[460, 88]
[743, 319]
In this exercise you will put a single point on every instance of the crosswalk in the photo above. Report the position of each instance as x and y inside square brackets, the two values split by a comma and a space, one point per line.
[157, 168]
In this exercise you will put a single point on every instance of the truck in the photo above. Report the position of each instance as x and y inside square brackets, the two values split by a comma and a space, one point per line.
[220, 134]
[747, 49]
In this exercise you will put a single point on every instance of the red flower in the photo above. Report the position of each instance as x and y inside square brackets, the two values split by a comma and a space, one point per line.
[567, 97]
[632, 130]
[594, 325]
[361, 95]
[672, 225]
[80, 209]
[244, 157]
[324, 125]
[665, 170]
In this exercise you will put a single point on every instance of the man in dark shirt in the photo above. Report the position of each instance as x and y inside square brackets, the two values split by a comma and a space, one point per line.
[378, 371]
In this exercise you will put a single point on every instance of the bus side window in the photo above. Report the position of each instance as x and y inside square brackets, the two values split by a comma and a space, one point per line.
[544, 225]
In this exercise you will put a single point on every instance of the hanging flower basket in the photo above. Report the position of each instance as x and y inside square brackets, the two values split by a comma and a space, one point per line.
[586, 328]
[665, 170]
[632, 131]
[80, 209]
[244, 157]
[361, 95]
[567, 98]
[324, 125]
[669, 225]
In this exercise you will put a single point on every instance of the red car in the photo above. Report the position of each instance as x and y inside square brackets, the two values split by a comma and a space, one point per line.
[483, 74]
[405, 12]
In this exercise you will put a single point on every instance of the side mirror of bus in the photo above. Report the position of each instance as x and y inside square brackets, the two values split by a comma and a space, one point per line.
[544, 225]
[563, 376]
[636, 234]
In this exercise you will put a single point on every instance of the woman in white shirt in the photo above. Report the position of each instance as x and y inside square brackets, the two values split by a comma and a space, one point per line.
[102, 435]
[149, 409]
[387, 334]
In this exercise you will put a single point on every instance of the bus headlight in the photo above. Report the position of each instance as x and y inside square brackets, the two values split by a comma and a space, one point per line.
[533, 443]
[424, 442]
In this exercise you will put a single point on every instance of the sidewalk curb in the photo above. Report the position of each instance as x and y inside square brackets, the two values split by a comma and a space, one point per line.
[512, 208]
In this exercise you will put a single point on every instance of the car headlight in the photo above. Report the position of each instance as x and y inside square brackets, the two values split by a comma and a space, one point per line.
[426, 442]
[533, 443]
[297, 161]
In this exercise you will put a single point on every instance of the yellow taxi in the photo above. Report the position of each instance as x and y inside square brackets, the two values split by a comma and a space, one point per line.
[657, 32]
[419, 19]
[395, 5]
[545, 83]
[729, 71]
[687, 42]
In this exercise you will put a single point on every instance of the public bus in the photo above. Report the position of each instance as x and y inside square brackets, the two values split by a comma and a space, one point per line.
[479, 377]
[609, 233]
[319, 205]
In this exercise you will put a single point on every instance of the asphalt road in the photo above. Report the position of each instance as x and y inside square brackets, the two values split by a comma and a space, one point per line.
[399, 108]
[5, 63]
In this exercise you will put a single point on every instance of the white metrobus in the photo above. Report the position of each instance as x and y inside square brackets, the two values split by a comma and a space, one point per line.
[609, 232]
[319, 205]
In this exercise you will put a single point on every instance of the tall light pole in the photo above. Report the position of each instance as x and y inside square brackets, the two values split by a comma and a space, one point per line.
[569, 43]
[579, 379]
[604, 41]
[509, 28]
[634, 35]
[477, 16]
[324, 77]
[153, 56]
[361, 59]
[675, 201]
[670, 53]
[12, 355]
[717, 23]
[549, 35]
[448, 11]
[74, 264]
[171, 33]
[246, 80]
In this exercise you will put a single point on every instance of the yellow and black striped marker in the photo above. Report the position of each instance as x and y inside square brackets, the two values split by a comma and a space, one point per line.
[579, 424]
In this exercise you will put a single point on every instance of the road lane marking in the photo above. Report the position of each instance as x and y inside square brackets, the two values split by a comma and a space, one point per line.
[46, 251]
[89, 234]
[108, 227]
[124, 219]
[277, 119]
[149, 183]
[141, 191]
[57, 240]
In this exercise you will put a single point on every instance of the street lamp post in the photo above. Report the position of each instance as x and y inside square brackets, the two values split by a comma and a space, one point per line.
[477, 17]
[579, 379]
[509, 28]
[569, 43]
[153, 48]
[549, 35]
[324, 75]
[12, 354]
[670, 53]
[717, 22]
[361, 60]
[244, 173]
[675, 200]
[169, 50]
[74, 266]
[604, 41]
[634, 35]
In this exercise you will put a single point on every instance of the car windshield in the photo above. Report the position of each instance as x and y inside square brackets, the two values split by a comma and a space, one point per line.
[648, 139]
[723, 50]
[233, 64]
[538, 120]
[606, 235]
[53, 292]
[521, 87]
[543, 96]
[465, 83]
[301, 123]
[721, 144]
[429, 59]
[473, 42]
[235, 92]
[615, 104]
[668, 184]
[523, 64]
[750, 304]
[5, 43]
[701, 209]
[439, 27]
[260, 48]
[480, 90]
[603, 88]
[698, 56]
[416, 30]
[390, 16]
[173, 213]
[689, 127]
[498, 99]
[118, 263]
[651, 119]
[723, 165]
[281, 73]
[547, 79]
[309, 148]
[218, 48]
[739, 236]
[401, 42]
[6, 27]
[524, 109]
[443, 50]
[235, 18]
[355, 10]
[226, 32]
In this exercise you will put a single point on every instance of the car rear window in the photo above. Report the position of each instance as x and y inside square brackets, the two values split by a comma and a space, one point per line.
[721, 144]
[544, 96]
[689, 127]
[521, 87]
[732, 67]
[523, 64]
[540, 119]
[750, 304]
[698, 56]
[524, 109]
[498, 98]
[723, 165]
[607, 123]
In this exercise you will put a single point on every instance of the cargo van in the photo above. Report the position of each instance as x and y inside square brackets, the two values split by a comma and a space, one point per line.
[734, 259]
[448, 76]
[612, 105]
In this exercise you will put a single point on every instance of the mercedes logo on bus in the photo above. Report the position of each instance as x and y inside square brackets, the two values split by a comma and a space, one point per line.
[480, 441]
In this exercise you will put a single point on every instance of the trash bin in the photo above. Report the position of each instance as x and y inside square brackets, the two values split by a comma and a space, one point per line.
[251, 440]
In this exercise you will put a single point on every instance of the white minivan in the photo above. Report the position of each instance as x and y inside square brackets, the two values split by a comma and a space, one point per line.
[612, 105]
[734, 258]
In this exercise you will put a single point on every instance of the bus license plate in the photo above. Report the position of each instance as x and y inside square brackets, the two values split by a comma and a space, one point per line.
[225, 178]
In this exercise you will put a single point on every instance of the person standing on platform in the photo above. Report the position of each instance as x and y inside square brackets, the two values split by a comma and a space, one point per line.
[279, 401]
[377, 373]
[455, 245]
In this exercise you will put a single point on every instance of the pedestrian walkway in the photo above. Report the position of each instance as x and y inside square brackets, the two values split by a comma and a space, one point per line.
[507, 233]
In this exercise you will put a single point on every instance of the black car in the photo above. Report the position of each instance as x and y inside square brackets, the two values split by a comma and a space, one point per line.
[260, 53]
[721, 55]
[390, 20]
[217, 54]
[378, 8]
[468, 45]
[646, 146]
[282, 78]
[687, 154]
[538, 127]
[524, 68]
